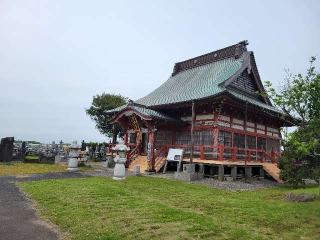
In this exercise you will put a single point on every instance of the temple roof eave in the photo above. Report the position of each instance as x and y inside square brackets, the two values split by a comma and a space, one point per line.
[139, 110]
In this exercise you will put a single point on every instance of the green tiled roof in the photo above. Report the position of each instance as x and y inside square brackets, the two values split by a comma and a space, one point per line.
[152, 113]
[115, 110]
[254, 101]
[142, 110]
[202, 77]
[194, 83]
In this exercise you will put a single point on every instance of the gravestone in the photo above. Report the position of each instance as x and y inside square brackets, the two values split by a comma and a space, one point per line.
[137, 170]
[6, 149]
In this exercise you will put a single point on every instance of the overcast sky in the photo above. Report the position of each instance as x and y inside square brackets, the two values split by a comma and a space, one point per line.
[55, 55]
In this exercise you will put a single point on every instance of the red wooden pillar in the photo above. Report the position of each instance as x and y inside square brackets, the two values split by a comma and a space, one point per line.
[272, 156]
[126, 138]
[221, 148]
[202, 157]
[234, 152]
[249, 155]
[215, 129]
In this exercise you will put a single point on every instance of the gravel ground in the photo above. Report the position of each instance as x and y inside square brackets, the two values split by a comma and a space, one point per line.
[106, 172]
[239, 185]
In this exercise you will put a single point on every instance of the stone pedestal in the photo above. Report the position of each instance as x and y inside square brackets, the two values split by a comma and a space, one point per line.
[187, 176]
[248, 172]
[189, 168]
[221, 173]
[57, 159]
[73, 157]
[119, 171]
[201, 168]
[188, 173]
[262, 173]
[234, 173]
[106, 163]
[137, 171]
[73, 165]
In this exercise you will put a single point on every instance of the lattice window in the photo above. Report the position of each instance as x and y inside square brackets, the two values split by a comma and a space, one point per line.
[261, 144]
[273, 144]
[203, 138]
[183, 138]
[162, 138]
[225, 138]
[238, 140]
[251, 142]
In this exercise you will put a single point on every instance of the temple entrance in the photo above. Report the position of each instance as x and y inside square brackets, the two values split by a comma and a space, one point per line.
[144, 143]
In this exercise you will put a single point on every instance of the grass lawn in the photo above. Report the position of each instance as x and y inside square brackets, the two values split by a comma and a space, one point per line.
[10, 169]
[154, 208]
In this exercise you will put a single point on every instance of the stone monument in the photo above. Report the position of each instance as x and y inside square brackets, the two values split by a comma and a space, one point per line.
[120, 159]
[73, 157]
[6, 149]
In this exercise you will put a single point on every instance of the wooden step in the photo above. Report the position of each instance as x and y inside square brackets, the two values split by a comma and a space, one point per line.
[141, 161]
[159, 164]
[273, 170]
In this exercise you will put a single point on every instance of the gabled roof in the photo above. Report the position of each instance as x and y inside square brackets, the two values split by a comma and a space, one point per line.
[193, 84]
[140, 110]
[207, 76]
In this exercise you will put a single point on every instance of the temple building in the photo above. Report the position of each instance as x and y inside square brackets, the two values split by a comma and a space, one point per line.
[213, 108]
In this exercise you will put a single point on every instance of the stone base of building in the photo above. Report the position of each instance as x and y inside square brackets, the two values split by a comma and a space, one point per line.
[187, 176]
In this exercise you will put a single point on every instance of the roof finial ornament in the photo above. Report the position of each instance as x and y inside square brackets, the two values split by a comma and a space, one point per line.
[130, 102]
[241, 47]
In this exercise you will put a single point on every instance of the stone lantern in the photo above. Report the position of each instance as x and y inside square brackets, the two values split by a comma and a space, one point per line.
[120, 159]
[73, 157]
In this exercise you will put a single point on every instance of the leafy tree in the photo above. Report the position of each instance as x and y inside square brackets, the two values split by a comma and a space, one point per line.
[100, 104]
[300, 99]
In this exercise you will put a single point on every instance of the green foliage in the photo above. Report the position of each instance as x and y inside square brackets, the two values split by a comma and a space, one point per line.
[299, 95]
[31, 159]
[301, 158]
[300, 99]
[99, 105]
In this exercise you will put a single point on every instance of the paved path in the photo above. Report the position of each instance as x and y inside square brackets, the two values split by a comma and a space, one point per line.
[18, 220]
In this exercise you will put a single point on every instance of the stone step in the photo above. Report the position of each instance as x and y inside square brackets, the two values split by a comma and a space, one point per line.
[141, 161]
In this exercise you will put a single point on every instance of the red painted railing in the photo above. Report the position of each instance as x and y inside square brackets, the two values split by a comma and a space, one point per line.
[160, 154]
[131, 155]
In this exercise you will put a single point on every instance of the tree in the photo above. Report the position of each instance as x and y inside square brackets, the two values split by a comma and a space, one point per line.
[299, 98]
[100, 104]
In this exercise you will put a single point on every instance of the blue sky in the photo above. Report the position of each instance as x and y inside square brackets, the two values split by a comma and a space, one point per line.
[55, 55]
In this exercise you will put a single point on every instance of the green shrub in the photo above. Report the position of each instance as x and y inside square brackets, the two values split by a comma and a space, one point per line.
[31, 159]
